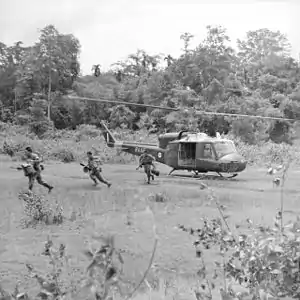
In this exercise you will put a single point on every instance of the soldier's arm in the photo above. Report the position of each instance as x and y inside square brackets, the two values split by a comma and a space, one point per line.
[140, 162]
[89, 164]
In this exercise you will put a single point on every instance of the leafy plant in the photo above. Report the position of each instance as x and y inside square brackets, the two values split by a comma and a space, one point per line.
[103, 272]
[38, 209]
[263, 261]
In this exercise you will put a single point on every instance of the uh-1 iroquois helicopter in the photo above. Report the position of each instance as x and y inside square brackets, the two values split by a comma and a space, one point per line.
[195, 152]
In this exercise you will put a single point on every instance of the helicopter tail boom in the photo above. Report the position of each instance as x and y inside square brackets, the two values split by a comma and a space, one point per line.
[108, 136]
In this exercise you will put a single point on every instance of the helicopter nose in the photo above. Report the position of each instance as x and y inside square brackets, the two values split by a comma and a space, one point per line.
[235, 158]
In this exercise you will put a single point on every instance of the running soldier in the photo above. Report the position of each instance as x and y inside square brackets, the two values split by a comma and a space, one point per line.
[147, 159]
[94, 165]
[35, 161]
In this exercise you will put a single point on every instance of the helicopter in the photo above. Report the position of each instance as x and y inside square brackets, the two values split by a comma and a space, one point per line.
[195, 152]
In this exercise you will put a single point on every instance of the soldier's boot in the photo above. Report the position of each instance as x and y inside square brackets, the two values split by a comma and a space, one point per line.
[45, 184]
[101, 179]
[49, 187]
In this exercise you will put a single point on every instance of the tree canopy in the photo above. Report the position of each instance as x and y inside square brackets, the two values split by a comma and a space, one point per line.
[260, 78]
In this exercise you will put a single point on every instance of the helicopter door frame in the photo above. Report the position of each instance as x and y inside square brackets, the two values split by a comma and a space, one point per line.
[187, 154]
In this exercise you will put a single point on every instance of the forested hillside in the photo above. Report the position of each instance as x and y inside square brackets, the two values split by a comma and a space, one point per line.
[260, 78]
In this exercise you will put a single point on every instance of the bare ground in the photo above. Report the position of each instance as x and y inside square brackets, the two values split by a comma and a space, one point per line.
[122, 211]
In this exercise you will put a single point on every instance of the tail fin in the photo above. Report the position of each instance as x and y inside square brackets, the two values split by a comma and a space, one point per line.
[109, 138]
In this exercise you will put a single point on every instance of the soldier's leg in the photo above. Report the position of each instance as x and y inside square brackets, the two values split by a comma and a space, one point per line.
[147, 170]
[93, 177]
[152, 176]
[101, 178]
[31, 179]
[40, 180]
[152, 168]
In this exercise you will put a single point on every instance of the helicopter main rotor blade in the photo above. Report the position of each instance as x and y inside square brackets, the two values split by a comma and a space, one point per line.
[243, 116]
[123, 103]
[197, 112]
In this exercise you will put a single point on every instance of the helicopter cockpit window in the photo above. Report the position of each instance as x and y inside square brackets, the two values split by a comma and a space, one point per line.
[208, 152]
[223, 148]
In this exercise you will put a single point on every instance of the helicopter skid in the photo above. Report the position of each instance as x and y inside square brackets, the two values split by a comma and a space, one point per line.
[228, 175]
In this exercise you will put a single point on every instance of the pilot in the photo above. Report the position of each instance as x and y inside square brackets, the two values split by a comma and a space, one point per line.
[207, 151]
[212, 132]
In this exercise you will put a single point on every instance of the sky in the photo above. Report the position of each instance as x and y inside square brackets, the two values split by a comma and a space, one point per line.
[109, 30]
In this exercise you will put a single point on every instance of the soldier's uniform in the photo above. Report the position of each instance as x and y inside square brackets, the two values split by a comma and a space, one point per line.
[35, 161]
[94, 165]
[146, 159]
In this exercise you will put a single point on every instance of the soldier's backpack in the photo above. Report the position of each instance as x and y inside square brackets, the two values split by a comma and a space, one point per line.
[27, 169]
[145, 159]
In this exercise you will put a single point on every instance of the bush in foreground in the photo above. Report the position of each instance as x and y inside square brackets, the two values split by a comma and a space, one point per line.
[260, 263]
[100, 280]
[40, 210]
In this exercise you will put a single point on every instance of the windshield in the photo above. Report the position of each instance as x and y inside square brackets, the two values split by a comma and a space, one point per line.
[224, 147]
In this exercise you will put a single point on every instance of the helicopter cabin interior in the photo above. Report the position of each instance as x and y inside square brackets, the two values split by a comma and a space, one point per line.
[188, 152]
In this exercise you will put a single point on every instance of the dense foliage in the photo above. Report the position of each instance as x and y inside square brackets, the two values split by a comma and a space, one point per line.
[261, 78]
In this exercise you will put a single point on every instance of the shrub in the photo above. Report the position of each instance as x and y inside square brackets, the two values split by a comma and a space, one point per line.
[65, 155]
[40, 127]
[85, 132]
[22, 119]
[13, 147]
[100, 282]
[158, 197]
[260, 263]
[40, 210]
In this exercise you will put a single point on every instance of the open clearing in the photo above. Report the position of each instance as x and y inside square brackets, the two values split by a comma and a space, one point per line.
[122, 210]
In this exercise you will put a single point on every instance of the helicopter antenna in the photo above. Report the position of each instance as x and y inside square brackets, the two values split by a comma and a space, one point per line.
[197, 112]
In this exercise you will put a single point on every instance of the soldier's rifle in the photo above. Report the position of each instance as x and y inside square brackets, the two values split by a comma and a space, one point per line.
[21, 167]
[87, 169]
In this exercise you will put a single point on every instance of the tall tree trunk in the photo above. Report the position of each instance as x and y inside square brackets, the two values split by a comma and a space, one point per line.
[15, 101]
[49, 95]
